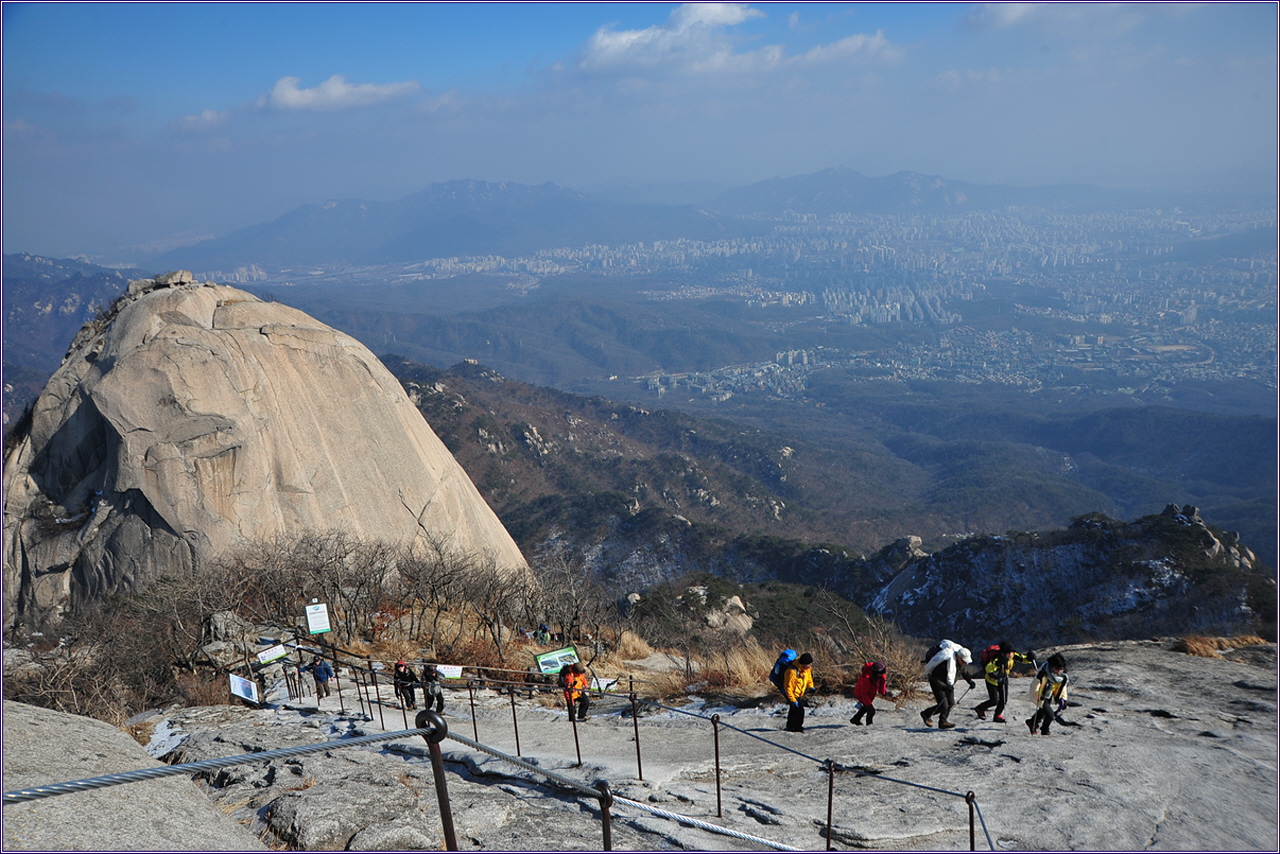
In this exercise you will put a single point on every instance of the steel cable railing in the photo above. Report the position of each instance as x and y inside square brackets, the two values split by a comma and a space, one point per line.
[189, 768]
[432, 728]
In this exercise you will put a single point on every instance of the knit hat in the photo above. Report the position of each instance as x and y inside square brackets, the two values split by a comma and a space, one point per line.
[806, 659]
[878, 667]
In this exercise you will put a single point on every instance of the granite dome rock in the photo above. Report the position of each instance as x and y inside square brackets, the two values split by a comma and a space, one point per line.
[194, 417]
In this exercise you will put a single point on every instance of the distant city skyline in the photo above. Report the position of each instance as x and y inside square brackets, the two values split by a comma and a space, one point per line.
[128, 123]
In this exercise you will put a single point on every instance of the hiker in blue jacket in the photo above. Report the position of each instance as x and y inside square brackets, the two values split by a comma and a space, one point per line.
[322, 672]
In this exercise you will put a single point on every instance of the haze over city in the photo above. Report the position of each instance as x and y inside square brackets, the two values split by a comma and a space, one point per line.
[130, 125]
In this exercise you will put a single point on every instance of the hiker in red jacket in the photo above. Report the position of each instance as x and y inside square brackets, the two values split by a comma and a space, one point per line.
[872, 683]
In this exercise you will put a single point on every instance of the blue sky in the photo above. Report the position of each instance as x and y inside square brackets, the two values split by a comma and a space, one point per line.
[130, 123]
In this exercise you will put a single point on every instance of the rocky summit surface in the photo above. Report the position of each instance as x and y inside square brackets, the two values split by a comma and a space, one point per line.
[1158, 750]
[42, 746]
[192, 418]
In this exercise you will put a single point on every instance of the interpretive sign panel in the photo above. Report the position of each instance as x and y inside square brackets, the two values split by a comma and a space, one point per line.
[551, 662]
[245, 688]
[318, 619]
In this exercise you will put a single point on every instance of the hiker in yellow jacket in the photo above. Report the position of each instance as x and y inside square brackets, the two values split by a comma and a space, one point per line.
[796, 681]
[1049, 693]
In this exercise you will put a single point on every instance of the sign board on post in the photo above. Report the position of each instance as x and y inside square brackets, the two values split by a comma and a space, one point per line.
[244, 688]
[272, 653]
[551, 662]
[449, 671]
[318, 619]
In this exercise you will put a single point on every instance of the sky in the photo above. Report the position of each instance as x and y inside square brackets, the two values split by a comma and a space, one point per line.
[132, 125]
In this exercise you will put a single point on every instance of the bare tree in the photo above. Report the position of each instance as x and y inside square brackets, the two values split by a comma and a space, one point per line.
[495, 598]
[434, 575]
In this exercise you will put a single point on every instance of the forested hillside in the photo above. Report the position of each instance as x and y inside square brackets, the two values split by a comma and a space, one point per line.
[872, 466]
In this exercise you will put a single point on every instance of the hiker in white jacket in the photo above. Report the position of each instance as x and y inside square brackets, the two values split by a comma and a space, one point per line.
[941, 669]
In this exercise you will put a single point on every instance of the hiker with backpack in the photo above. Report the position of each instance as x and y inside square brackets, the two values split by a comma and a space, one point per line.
[872, 683]
[779, 667]
[941, 664]
[797, 680]
[997, 662]
[1049, 693]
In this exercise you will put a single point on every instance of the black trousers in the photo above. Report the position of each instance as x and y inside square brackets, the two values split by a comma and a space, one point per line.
[997, 695]
[1043, 716]
[869, 711]
[583, 706]
[795, 717]
[944, 695]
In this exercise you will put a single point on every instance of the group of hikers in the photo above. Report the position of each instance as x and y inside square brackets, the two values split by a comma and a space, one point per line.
[792, 674]
[946, 661]
[406, 683]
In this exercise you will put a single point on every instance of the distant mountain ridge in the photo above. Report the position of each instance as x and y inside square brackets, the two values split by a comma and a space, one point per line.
[455, 218]
[470, 217]
[843, 190]
[46, 301]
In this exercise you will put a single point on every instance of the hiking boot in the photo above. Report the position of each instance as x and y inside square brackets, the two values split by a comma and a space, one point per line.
[1031, 725]
[946, 725]
[928, 721]
[982, 714]
[999, 719]
[585, 718]
[855, 721]
[1044, 732]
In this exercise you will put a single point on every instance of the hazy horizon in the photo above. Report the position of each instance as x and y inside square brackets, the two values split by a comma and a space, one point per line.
[128, 124]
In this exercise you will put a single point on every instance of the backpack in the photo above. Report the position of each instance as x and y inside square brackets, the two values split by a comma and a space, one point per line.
[989, 653]
[933, 650]
[783, 662]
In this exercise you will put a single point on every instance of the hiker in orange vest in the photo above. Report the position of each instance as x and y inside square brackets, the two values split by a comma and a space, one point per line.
[575, 691]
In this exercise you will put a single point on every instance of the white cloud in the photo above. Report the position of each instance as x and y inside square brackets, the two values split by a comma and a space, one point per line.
[333, 94]
[957, 79]
[695, 39]
[1074, 19]
[206, 120]
[859, 46]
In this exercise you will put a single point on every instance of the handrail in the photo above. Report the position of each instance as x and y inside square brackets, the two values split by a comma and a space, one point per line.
[38, 792]
[433, 728]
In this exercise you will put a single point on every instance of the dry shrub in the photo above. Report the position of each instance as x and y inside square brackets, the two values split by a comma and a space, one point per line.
[391, 651]
[668, 684]
[632, 647]
[748, 664]
[142, 732]
[202, 689]
[476, 652]
[1208, 647]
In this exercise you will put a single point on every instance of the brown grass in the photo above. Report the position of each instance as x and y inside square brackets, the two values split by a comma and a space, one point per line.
[201, 689]
[631, 647]
[142, 732]
[1208, 647]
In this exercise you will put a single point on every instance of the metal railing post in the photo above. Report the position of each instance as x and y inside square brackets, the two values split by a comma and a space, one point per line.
[831, 794]
[515, 724]
[973, 840]
[362, 693]
[427, 718]
[635, 723]
[573, 719]
[471, 692]
[337, 685]
[606, 820]
[715, 726]
[377, 694]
